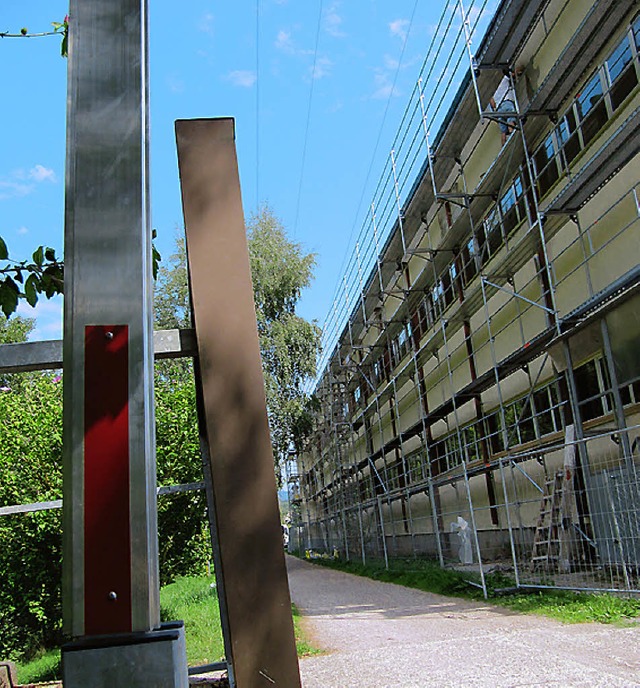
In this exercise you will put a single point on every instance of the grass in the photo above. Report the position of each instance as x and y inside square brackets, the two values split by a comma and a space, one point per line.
[46, 667]
[303, 645]
[195, 601]
[569, 607]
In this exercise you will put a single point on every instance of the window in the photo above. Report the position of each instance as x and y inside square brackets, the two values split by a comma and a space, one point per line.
[588, 99]
[447, 285]
[519, 420]
[365, 489]
[415, 467]
[569, 136]
[470, 437]
[591, 384]
[549, 412]
[618, 60]
[512, 207]
[469, 267]
[377, 371]
[592, 109]
[493, 231]
[546, 165]
[621, 73]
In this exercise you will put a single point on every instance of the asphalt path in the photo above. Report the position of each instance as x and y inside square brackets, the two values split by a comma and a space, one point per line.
[381, 635]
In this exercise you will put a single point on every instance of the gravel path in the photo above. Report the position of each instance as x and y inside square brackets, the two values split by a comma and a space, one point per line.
[380, 635]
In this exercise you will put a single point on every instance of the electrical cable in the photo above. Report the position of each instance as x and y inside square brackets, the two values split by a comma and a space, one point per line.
[257, 106]
[306, 132]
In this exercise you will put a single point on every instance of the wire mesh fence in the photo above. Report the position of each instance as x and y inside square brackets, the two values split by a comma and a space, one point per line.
[566, 515]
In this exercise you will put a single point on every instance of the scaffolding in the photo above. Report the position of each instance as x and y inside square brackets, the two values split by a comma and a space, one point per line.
[477, 346]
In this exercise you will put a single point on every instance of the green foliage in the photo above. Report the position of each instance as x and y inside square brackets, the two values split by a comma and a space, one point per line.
[30, 544]
[59, 29]
[171, 299]
[289, 344]
[303, 646]
[15, 330]
[184, 541]
[44, 274]
[45, 667]
[573, 607]
[63, 28]
[195, 601]
[27, 280]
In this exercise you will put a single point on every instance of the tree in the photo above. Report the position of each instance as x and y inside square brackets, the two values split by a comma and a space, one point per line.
[30, 544]
[289, 344]
[15, 330]
[30, 471]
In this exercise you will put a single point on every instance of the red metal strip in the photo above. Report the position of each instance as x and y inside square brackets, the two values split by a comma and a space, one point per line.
[107, 538]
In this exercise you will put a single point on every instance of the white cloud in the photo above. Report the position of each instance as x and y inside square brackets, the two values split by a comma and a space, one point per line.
[40, 173]
[20, 183]
[206, 23]
[241, 77]
[9, 189]
[284, 42]
[383, 86]
[321, 68]
[398, 28]
[333, 22]
[174, 83]
[23, 230]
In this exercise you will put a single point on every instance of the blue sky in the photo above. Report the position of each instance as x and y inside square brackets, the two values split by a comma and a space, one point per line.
[317, 89]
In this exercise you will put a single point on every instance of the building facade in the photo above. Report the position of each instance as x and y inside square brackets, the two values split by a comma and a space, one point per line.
[480, 400]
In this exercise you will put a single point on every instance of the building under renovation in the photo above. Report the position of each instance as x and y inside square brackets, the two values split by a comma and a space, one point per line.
[480, 388]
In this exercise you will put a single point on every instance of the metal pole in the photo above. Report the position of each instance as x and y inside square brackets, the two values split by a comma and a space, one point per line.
[362, 549]
[397, 194]
[110, 577]
[382, 534]
[426, 139]
[472, 60]
[505, 434]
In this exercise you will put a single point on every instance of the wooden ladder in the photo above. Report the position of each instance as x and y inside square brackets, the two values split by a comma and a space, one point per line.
[546, 543]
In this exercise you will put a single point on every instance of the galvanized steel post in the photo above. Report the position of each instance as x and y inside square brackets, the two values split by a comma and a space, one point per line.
[110, 579]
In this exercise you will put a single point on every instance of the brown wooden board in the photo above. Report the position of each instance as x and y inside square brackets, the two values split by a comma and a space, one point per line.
[252, 569]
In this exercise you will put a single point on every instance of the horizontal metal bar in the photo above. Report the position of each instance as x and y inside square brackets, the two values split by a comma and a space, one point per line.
[57, 504]
[523, 586]
[29, 356]
[187, 487]
[28, 508]
[205, 668]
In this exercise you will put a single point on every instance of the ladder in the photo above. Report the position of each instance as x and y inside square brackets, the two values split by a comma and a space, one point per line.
[546, 543]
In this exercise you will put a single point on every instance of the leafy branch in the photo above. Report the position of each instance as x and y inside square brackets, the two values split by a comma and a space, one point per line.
[59, 29]
[44, 274]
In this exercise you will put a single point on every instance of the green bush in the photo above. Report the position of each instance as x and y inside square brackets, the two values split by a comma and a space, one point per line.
[31, 471]
[30, 544]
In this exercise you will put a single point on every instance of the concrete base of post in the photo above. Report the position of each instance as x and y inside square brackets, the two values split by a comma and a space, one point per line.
[156, 659]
